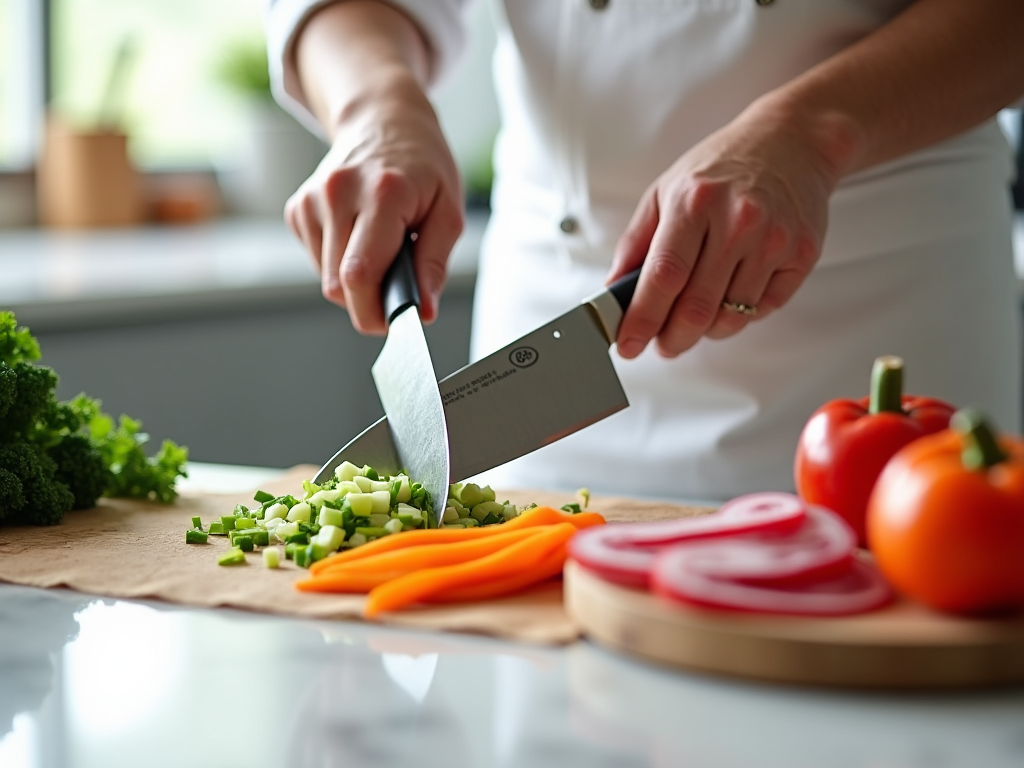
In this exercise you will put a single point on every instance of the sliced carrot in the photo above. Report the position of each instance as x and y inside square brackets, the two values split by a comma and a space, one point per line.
[539, 516]
[430, 555]
[525, 555]
[499, 587]
[350, 583]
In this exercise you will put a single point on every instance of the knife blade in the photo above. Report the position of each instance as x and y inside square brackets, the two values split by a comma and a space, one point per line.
[406, 383]
[545, 385]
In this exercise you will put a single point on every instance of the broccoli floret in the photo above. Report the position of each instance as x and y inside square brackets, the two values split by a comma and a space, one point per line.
[16, 344]
[11, 497]
[81, 468]
[45, 499]
[8, 389]
[33, 402]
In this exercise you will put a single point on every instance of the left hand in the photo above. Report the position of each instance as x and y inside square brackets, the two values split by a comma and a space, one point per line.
[740, 217]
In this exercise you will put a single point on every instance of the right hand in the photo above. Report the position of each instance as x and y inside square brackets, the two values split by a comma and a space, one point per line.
[389, 170]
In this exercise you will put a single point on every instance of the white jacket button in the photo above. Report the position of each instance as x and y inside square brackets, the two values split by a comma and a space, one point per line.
[598, 5]
[764, 2]
[569, 225]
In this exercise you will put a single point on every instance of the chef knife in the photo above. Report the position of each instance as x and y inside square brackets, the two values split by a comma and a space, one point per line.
[548, 384]
[407, 385]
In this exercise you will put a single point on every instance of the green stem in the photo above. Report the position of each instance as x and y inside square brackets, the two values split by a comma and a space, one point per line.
[887, 385]
[981, 449]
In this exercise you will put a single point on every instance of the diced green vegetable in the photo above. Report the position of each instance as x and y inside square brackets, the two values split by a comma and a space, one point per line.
[195, 536]
[394, 526]
[346, 471]
[572, 509]
[260, 538]
[365, 484]
[233, 556]
[228, 521]
[244, 543]
[271, 557]
[262, 497]
[487, 493]
[197, 523]
[300, 513]
[297, 538]
[330, 516]
[217, 528]
[244, 523]
[361, 503]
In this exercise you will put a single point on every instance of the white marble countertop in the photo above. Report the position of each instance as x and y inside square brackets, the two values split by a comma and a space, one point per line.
[109, 683]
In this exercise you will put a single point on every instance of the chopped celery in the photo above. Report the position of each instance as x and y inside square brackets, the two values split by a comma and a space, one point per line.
[330, 537]
[244, 543]
[470, 495]
[291, 549]
[450, 515]
[372, 531]
[485, 508]
[217, 528]
[243, 523]
[260, 538]
[370, 472]
[297, 538]
[508, 511]
[380, 485]
[394, 526]
[262, 497]
[195, 536]
[346, 471]
[197, 523]
[228, 522]
[284, 530]
[487, 493]
[303, 556]
[357, 539]
[404, 488]
[330, 516]
[379, 520]
[365, 484]
[271, 557]
[233, 556]
[348, 487]
[361, 503]
[275, 511]
[318, 551]
[491, 519]
[300, 513]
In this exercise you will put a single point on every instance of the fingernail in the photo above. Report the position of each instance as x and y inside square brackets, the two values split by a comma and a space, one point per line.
[631, 347]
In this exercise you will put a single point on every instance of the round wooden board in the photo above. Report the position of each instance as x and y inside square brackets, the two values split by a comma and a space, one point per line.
[902, 646]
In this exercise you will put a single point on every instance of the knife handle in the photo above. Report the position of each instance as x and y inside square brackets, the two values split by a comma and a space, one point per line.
[399, 289]
[622, 289]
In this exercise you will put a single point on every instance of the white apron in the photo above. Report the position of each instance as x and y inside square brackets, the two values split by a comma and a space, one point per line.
[917, 261]
[598, 97]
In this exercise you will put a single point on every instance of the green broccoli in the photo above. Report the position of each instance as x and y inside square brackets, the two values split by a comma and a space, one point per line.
[56, 456]
[45, 500]
[82, 469]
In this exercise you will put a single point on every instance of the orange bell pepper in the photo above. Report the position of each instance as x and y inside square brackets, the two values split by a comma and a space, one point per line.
[946, 519]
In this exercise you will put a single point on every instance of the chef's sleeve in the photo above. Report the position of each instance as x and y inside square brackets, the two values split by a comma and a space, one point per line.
[440, 21]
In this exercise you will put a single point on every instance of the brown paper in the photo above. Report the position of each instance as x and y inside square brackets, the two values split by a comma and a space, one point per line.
[132, 549]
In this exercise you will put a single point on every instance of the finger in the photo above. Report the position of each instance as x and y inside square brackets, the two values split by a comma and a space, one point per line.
[636, 240]
[672, 257]
[750, 279]
[337, 232]
[436, 237]
[376, 238]
[304, 226]
[698, 304]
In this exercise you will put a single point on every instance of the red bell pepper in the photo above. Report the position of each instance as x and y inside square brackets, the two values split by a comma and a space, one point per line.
[846, 443]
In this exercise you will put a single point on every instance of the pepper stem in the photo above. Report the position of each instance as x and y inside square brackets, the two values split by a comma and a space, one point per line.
[981, 450]
[886, 385]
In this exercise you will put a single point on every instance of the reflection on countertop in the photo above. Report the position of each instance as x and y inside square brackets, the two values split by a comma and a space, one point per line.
[86, 682]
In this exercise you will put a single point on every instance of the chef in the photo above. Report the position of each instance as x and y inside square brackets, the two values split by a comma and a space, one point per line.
[807, 184]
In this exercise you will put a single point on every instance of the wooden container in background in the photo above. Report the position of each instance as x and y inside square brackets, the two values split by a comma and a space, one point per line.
[86, 179]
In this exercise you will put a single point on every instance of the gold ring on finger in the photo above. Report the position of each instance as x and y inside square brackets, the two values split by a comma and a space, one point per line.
[741, 309]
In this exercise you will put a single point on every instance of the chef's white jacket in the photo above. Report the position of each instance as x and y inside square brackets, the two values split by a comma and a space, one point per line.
[597, 98]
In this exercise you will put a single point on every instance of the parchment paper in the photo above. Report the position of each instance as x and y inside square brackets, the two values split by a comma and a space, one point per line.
[131, 549]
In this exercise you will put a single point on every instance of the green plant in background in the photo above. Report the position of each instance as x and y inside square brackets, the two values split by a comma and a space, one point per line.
[243, 68]
[58, 456]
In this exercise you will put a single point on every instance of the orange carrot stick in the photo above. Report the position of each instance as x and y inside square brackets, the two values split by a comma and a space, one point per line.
[525, 555]
[346, 582]
[530, 518]
[430, 555]
[499, 587]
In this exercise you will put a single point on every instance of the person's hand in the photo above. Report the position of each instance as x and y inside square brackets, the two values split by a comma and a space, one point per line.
[389, 170]
[739, 218]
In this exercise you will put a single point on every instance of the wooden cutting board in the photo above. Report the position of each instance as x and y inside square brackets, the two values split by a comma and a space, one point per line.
[902, 646]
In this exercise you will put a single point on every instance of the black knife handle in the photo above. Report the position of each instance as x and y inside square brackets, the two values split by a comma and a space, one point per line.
[622, 289]
[399, 289]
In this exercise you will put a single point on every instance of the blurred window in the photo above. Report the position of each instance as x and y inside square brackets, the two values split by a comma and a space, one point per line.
[171, 92]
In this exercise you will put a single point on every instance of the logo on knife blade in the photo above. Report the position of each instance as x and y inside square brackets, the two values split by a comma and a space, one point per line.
[523, 357]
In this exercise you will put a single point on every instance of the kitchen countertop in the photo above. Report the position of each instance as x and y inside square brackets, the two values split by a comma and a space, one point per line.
[53, 277]
[92, 682]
